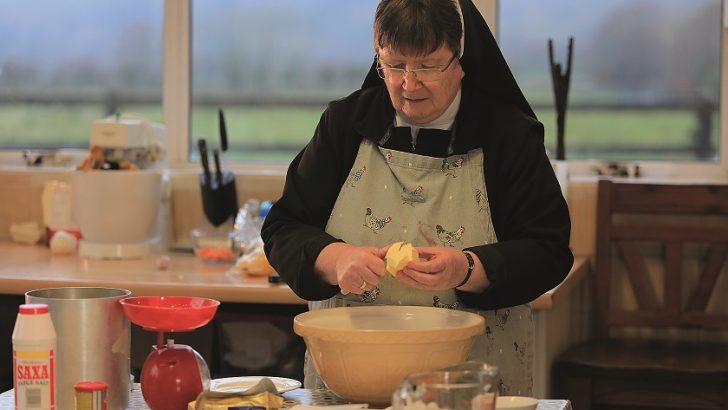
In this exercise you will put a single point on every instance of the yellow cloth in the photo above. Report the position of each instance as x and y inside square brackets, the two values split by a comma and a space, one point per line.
[262, 394]
[266, 399]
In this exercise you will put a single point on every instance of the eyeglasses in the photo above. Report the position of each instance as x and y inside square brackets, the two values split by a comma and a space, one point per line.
[396, 75]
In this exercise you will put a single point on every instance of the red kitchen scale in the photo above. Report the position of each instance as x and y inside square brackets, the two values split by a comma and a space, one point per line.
[173, 374]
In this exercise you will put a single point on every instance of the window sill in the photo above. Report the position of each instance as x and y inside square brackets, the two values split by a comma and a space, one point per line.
[681, 172]
[577, 170]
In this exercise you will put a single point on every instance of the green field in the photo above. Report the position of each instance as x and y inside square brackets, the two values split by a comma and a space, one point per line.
[276, 134]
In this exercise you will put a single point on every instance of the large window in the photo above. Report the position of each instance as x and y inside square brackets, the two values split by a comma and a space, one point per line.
[64, 64]
[645, 81]
[272, 66]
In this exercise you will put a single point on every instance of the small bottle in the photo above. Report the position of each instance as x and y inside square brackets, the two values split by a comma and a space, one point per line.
[34, 358]
[91, 395]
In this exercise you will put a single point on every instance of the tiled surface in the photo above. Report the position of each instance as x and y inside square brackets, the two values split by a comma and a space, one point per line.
[21, 197]
[20, 192]
[299, 396]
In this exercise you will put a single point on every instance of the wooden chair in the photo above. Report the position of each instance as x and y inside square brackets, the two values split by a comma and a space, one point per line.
[662, 345]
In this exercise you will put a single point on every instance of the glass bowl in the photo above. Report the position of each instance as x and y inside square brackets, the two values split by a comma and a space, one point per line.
[213, 246]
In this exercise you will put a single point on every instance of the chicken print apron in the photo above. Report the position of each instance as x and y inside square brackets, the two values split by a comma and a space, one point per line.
[393, 196]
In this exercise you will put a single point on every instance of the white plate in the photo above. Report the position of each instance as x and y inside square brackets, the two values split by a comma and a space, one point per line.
[239, 384]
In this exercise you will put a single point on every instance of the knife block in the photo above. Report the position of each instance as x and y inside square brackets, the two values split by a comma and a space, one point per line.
[219, 200]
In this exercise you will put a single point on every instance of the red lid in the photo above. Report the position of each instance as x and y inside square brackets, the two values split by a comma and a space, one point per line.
[33, 309]
[90, 386]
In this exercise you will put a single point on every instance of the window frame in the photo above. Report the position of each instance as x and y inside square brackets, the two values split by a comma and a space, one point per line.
[687, 171]
[176, 106]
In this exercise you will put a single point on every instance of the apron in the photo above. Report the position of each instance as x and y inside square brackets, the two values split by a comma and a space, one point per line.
[391, 196]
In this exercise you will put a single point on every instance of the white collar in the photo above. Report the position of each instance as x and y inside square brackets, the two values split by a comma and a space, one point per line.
[443, 122]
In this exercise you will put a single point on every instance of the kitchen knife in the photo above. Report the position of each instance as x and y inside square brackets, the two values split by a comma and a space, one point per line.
[202, 146]
[223, 130]
[218, 170]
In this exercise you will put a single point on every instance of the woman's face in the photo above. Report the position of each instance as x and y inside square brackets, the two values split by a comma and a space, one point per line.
[421, 101]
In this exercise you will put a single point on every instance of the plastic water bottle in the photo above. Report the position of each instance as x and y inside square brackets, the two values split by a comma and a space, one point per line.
[265, 207]
[34, 358]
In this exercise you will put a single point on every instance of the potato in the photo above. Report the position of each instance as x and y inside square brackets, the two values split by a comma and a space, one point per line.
[399, 255]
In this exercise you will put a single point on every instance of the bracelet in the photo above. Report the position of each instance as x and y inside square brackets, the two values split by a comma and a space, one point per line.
[471, 265]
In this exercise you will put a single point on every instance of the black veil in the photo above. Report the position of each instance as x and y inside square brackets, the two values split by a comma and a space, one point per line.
[482, 61]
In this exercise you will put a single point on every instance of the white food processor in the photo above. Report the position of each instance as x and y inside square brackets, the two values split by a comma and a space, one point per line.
[120, 210]
[117, 212]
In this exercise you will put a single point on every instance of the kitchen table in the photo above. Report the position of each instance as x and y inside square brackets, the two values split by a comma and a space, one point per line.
[298, 396]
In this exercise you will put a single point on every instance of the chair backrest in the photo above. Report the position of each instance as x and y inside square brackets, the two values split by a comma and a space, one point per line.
[633, 218]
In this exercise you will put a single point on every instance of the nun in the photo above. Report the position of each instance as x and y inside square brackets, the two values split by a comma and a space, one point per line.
[439, 148]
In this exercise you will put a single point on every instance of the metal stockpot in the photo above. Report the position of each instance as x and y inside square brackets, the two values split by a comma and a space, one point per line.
[93, 340]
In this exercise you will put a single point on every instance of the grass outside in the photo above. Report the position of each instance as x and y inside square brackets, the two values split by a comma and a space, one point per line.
[276, 134]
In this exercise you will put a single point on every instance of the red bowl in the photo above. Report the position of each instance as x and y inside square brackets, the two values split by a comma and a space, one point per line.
[169, 313]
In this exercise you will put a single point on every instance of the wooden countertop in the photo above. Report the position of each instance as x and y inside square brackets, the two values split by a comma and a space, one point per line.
[24, 268]
[577, 273]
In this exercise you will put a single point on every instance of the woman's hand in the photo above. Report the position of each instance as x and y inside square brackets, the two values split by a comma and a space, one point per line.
[359, 268]
[439, 268]
[355, 269]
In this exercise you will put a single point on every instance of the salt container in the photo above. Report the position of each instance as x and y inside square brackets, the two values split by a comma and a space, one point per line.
[34, 358]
